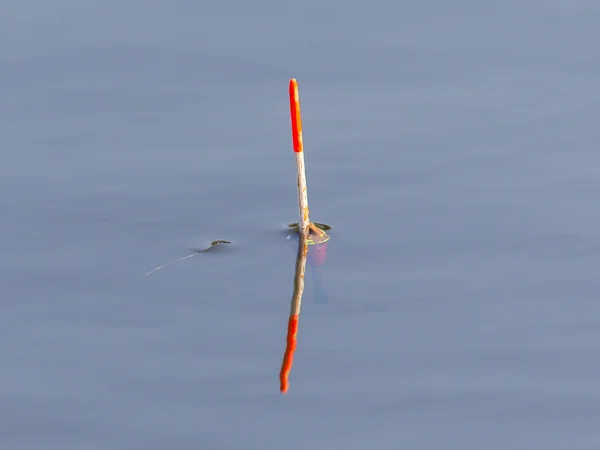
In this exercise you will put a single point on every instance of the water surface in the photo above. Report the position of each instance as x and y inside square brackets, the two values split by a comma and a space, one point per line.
[451, 146]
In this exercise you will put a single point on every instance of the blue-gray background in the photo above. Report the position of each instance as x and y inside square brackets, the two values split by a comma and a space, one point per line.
[453, 147]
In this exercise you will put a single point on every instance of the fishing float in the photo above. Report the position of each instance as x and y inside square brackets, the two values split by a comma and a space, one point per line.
[304, 226]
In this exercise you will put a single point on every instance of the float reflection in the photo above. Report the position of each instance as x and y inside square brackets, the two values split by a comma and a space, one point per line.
[314, 251]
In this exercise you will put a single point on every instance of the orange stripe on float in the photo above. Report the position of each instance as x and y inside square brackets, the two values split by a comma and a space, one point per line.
[295, 116]
[288, 357]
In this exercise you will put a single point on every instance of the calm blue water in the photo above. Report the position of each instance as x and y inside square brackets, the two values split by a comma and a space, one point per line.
[453, 147]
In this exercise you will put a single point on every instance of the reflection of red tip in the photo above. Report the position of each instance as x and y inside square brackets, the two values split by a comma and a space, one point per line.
[288, 357]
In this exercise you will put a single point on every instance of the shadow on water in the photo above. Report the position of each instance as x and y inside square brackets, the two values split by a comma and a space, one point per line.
[314, 252]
